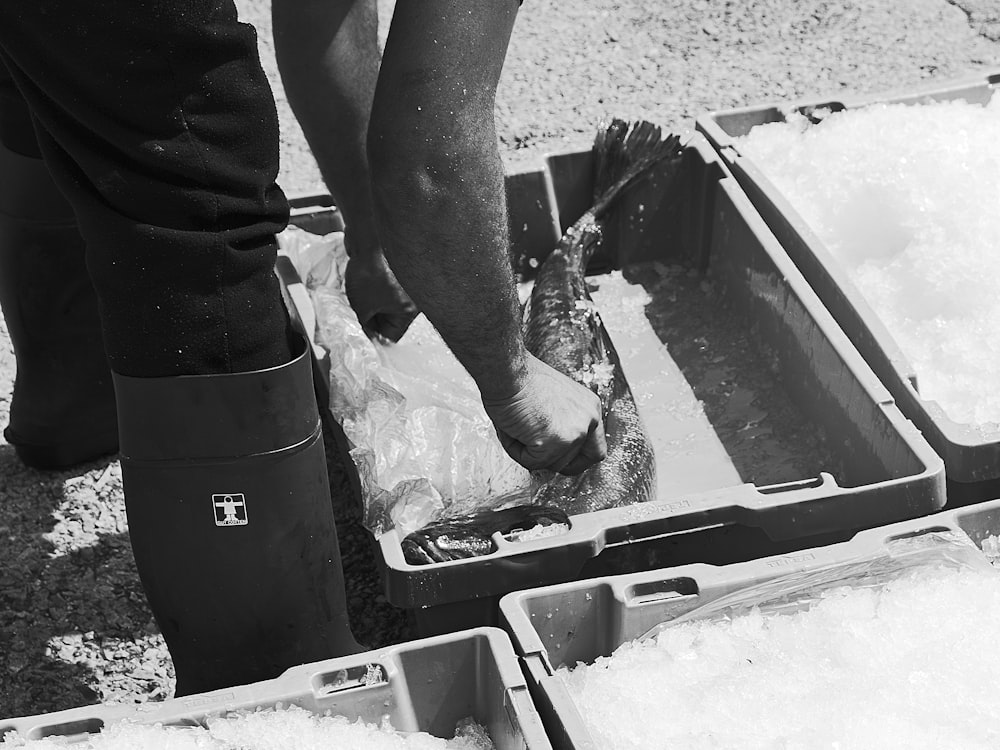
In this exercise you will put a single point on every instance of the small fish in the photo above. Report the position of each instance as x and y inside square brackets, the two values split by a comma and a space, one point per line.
[562, 327]
[472, 535]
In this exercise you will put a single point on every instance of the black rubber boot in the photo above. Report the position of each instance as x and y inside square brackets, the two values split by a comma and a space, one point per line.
[63, 407]
[231, 522]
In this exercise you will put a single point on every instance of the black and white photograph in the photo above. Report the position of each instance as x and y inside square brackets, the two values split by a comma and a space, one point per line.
[500, 374]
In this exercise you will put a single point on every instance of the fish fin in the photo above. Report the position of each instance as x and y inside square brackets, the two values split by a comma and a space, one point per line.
[624, 152]
[602, 351]
[526, 311]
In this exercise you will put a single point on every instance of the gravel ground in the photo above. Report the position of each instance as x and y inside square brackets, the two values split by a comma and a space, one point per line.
[74, 627]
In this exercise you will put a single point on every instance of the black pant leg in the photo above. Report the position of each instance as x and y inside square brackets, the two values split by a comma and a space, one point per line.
[160, 127]
[17, 132]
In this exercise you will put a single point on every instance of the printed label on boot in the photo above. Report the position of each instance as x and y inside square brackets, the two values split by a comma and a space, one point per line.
[230, 510]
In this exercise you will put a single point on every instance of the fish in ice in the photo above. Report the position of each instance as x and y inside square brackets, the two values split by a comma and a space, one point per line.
[562, 327]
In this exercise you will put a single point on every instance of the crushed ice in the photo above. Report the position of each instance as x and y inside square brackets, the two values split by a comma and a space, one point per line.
[905, 197]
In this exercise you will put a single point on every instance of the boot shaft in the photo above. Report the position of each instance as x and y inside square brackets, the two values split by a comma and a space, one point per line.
[231, 521]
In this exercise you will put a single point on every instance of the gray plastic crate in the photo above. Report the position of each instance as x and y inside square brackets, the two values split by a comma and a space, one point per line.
[972, 459]
[560, 626]
[422, 686]
[704, 509]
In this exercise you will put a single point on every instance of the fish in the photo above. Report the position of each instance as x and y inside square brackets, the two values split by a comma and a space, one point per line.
[471, 535]
[562, 327]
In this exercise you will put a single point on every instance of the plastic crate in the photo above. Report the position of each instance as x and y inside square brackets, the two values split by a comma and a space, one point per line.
[703, 511]
[972, 458]
[316, 214]
[560, 626]
[422, 686]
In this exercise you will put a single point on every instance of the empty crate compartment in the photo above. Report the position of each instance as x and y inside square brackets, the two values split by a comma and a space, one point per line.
[921, 208]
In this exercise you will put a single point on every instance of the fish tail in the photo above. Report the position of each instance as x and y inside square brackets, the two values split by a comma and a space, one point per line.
[625, 152]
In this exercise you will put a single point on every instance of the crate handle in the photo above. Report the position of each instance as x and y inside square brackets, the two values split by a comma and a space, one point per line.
[666, 589]
[824, 479]
[358, 677]
[71, 731]
[517, 704]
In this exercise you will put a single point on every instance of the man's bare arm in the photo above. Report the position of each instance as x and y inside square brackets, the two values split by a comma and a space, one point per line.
[439, 188]
[441, 208]
[328, 57]
[327, 53]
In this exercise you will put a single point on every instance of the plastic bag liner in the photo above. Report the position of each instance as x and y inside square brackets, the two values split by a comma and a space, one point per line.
[797, 591]
[422, 443]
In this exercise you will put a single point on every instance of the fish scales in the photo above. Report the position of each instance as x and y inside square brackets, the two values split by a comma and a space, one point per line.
[562, 327]
[558, 329]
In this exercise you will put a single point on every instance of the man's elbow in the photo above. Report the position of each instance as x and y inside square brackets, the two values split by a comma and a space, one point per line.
[430, 153]
[407, 166]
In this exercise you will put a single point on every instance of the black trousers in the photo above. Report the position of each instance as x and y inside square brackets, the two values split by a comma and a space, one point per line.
[156, 121]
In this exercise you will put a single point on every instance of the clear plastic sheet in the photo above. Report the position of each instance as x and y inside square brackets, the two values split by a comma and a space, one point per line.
[422, 443]
[799, 590]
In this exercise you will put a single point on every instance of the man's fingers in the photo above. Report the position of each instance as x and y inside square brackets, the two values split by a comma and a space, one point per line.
[514, 448]
[526, 455]
[389, 326]
[596, 446]
[568, 458]
[592, 450]
[578, 465]
[579, 457]
[392, 326]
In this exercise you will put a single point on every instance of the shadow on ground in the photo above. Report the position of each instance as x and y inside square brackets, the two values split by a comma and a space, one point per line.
[91, 590]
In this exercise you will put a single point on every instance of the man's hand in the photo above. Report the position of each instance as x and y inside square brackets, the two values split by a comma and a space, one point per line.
[551, 423]
[377, 298]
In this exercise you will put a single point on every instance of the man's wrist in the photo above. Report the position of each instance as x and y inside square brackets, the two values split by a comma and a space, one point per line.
[362, 245]
[507, 379]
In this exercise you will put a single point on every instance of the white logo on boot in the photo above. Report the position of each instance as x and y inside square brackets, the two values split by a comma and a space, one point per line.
[230, 510]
